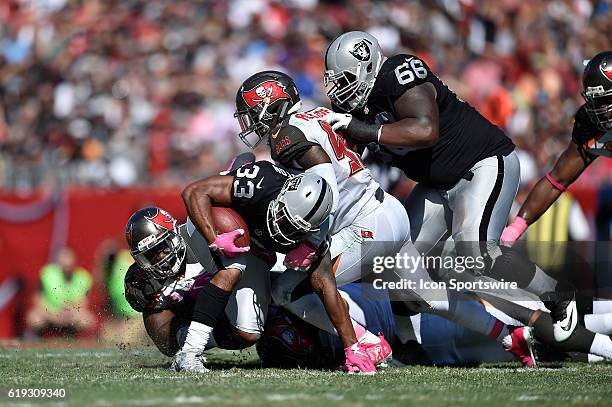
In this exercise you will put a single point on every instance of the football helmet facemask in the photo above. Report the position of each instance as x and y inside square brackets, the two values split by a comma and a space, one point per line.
[262, 102]
[597, 90]
[155, 243]
[302, 205]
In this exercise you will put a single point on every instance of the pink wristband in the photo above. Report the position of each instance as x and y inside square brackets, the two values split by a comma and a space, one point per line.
[555, 183]
[520, 224]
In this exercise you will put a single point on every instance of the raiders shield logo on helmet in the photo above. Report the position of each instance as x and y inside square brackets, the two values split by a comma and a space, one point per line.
[361, 50]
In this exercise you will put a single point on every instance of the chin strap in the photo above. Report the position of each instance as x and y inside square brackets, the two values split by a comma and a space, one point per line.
[555, 183]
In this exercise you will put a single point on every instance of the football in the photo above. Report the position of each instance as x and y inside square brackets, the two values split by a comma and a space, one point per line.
[226, 220]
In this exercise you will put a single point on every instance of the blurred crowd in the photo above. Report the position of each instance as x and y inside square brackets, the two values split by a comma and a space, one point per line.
[141, 92]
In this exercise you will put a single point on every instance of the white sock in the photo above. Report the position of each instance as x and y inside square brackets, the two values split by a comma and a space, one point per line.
[181, 336]
[602, 306]
[198, 337]
[600, 323]
[602, 346]
[594, 358]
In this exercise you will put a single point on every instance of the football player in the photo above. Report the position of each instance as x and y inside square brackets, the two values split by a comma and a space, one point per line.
[366, 223]
[284, 213]
[417, 338]
[466, 168]
[591, 138]
[176, 279]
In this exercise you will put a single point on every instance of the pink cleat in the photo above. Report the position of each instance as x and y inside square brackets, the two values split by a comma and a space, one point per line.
[522, 344]
[379, 351]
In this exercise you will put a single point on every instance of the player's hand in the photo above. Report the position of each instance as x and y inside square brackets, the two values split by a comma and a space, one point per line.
[301, 257]
[357, 360]
[513, 232]
[225, 243]
[339, 121]
[355, 129]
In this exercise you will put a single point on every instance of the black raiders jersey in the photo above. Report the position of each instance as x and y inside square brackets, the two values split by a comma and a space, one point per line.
[178, 292]
[586, 136]
[465, 136]
[255, 185]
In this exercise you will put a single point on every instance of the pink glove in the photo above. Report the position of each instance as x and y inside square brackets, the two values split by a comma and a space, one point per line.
[357, 360]
[513, 232]
[224, 243]
[301, 257]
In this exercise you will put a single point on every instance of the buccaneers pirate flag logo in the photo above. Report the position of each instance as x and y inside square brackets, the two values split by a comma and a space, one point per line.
[265, 93]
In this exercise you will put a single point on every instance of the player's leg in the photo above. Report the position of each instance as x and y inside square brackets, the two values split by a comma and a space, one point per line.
[481, 203]
[459, 308]
[379, 231]
[247, 308]
[429, 215]
[582, 340]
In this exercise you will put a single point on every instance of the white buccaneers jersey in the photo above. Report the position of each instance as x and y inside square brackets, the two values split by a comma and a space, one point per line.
[355, 183]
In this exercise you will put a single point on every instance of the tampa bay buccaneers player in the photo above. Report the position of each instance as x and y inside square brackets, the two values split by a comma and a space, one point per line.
[178, 284]
[367, 222]
[591, 137]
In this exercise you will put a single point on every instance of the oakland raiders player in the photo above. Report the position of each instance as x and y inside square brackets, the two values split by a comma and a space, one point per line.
[464, 165]
[282, 212]
[268, 109]
[175, 278]
[466, 168]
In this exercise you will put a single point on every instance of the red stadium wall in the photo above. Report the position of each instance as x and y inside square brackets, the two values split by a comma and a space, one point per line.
[83, 220]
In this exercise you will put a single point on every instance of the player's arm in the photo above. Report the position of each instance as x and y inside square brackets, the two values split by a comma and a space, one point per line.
[324, 284]
[316, 160]
[567, 169]
[162, 328]
[199, 197]
[418, 125]
[419, 119]
[405, 80]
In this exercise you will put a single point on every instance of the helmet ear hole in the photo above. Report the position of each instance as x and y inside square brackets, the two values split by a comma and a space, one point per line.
[369, 68]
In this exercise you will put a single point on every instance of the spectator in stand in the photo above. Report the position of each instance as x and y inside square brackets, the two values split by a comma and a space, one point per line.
[62, 306]
[120, 93]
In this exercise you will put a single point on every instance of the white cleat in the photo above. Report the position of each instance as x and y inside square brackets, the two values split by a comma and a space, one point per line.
[565, 319]
[189, 362]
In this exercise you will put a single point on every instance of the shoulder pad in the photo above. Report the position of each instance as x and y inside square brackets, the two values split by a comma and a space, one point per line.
[288, 144]
[400, 73]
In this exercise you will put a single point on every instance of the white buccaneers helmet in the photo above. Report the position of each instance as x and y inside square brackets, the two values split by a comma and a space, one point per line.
[302, 205]
[352, 62]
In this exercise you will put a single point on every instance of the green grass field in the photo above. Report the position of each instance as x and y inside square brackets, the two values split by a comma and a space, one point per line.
[112, 377]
